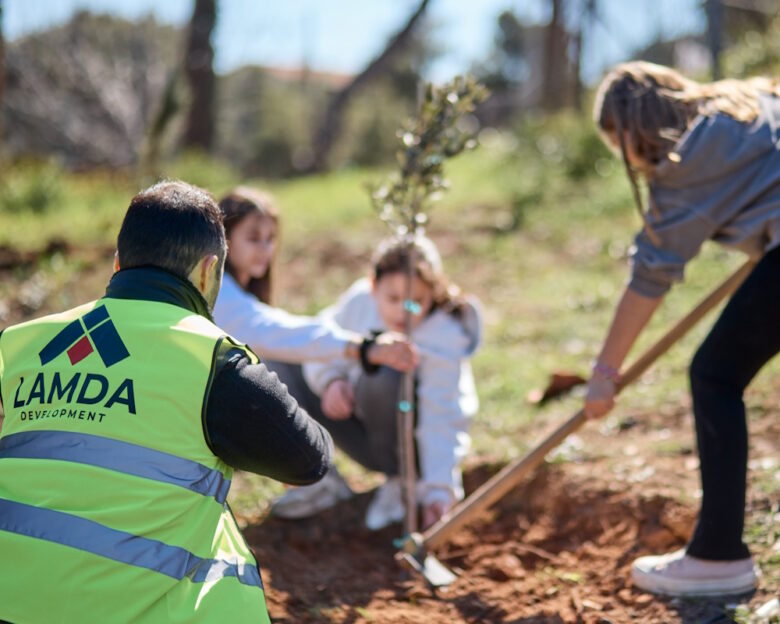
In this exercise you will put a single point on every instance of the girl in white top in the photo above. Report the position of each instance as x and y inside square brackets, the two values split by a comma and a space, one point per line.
[251, 220]
[446, 333]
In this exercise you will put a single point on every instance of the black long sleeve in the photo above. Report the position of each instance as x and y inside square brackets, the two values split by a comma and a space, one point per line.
[253, 424]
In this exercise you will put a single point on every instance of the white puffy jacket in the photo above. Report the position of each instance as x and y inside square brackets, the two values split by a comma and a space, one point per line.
[446, 394]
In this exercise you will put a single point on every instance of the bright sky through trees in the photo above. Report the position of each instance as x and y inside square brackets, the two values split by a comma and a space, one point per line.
[342, 35]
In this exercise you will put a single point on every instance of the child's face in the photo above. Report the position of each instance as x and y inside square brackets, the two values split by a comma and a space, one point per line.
[390, 294]
[251, 246]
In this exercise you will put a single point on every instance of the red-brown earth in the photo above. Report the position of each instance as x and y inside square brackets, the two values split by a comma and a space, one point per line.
[557, 549]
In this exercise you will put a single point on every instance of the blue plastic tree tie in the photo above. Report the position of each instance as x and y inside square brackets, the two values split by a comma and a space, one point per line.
[405, 406]
[412, 306]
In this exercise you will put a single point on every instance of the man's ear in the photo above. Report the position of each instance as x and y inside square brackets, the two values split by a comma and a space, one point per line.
[116, 261]
[208, 266]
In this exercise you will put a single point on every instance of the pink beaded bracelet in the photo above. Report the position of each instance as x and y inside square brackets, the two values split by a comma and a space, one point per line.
[606, 371]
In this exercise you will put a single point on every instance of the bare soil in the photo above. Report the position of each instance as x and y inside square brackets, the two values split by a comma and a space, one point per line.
[557, 549]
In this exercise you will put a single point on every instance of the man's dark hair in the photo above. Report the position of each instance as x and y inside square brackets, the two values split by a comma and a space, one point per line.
[171, 225]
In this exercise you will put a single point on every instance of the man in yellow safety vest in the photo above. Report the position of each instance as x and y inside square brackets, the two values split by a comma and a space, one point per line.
[124, 419]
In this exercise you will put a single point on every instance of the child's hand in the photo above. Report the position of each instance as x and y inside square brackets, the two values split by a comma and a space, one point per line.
[393, 350]
[433, 512]
[600, 398]
[338, 400]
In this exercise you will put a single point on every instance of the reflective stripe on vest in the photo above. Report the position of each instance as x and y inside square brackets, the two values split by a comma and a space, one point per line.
[116, 455]
[93, 537]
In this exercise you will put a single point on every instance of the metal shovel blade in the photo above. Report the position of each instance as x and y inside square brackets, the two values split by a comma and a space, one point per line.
[432, 570]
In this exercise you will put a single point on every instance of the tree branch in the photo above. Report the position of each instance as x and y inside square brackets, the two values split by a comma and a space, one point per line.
[330, 126]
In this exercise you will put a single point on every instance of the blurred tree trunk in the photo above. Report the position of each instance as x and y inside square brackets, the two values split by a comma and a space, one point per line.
[555, 71]
[586, 21]
[330, 127]
[168, 108]
[577, 69]
[199, 71]
[2, 73]
[715, 32]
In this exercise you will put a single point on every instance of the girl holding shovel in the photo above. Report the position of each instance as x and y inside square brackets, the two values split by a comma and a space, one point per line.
[710, 154]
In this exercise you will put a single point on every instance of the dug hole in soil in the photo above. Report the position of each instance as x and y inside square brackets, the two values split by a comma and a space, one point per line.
[556, 549]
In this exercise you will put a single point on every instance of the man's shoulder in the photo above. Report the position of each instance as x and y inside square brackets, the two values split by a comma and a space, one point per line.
[56, 318]
[199, 324]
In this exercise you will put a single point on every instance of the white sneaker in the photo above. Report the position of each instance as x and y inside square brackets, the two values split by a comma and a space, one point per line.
[679, 574]
[307, 500]
[387, 506]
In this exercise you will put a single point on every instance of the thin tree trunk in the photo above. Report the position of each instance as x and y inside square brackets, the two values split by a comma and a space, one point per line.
[330, 127]
[168, 108]
[199, 70]
[715, 31]
[555, 60]
[577, 69]
[2, 73]
[585, 23]
[406, 411]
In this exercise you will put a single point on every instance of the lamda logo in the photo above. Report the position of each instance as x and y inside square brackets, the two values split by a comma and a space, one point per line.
[95, 331]
[75, 338]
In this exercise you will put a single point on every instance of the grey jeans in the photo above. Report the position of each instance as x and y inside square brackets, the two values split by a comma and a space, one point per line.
[370, 435]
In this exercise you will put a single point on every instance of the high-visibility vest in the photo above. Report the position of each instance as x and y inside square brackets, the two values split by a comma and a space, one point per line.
[112, 505]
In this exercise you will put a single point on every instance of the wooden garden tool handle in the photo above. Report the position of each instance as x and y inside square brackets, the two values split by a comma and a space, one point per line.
[496, 487]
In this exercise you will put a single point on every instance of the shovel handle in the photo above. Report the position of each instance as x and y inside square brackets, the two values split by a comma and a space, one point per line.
[496, 487]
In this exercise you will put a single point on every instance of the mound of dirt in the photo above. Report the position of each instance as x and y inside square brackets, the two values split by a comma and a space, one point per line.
[557, 549]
